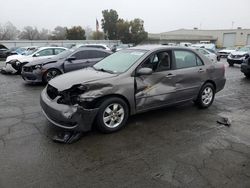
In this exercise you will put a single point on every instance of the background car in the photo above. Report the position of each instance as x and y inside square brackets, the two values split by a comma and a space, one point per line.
[225, 52]
[245, 66]
[20, 50]
[69, 60]
[3, 50]
[14, 63]
[214, 52]
[238, 56]
[129, 82]
[100, 46]
[211, 56]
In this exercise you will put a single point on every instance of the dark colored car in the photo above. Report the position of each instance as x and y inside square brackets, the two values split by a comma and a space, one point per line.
[3, 50]
[245, 66]
[128, 82]
[239, 56]
[46, 69]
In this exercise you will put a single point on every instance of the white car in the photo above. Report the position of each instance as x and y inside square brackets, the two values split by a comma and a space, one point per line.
[100, 46]
[225, 52]
[211, 56]
[15, 63]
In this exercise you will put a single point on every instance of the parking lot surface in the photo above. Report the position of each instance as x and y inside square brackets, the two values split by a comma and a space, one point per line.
[173, 147]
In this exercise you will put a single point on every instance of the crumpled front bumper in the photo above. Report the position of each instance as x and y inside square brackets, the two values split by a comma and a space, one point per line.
[9, 69]
[33, 77]
[67, 117]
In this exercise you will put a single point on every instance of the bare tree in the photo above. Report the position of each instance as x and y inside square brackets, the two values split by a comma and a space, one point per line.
[88, 32]
[29, 33]
[44, 34]
[8, 31]
[59, 33]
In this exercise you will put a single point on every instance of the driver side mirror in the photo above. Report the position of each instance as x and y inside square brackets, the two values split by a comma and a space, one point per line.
[144, 71]
[36, 55]
[72, 58]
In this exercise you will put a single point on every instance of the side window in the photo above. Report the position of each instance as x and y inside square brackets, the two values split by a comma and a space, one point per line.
[58, 50]
[81, 55]
[97, 54]
[199, 62]
[46, 52]
[185, 59]
[160, 61]
[204, 52]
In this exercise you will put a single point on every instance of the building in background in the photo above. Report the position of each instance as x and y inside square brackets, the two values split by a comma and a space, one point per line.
[222, 38]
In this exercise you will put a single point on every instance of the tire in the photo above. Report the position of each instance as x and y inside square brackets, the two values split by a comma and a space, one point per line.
[50, 74]
[206, 96]
[231, 64]
[115, 118]
[247, 75]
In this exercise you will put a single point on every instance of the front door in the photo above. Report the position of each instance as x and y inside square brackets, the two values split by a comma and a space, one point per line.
[157, 89]
[79, 62]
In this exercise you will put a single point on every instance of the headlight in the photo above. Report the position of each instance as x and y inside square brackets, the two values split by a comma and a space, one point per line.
[38, 67]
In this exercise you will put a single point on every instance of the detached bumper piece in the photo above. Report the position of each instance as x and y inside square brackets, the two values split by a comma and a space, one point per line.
[67, 137]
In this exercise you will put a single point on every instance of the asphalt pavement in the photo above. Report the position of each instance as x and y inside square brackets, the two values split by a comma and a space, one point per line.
[173, 147]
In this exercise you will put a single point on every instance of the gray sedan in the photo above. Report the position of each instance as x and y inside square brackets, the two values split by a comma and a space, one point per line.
[128, 82]
[74, 59]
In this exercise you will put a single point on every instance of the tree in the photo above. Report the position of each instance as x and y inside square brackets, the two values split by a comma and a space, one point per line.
[29, 33]
[109, 21]
[59, 33]
[75, 33]
[8, 31]
[97, 35]
[138, 34]
[44, 34]
[123, 31]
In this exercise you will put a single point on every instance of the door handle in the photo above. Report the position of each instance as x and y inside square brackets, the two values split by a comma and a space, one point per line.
[201, 70]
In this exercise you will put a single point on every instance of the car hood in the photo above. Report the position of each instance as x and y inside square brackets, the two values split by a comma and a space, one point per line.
[20, 58]
[227, 51]
[42, 61]
[238, 53]
[66, 81]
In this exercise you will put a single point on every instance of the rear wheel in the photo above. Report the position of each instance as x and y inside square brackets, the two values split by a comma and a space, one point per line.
[112, 115]
[206, 95]
[50, 74]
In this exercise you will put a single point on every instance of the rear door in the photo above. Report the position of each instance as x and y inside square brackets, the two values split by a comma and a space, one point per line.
[157, 89]
[96, 56]
[190, 73]
[80, 61]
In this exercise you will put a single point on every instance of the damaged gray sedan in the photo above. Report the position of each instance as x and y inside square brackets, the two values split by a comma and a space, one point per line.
[128, 82]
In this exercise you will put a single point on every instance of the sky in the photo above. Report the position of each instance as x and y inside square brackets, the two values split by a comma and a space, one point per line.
[158, 15]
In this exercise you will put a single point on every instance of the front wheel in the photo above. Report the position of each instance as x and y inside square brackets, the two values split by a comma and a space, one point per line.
[50, 74]
[231, 64]
[206, 95]
[112, 115]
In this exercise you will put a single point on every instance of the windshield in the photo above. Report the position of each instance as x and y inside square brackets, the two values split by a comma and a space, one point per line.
[244, 49]
[121, 61]
[20, 50]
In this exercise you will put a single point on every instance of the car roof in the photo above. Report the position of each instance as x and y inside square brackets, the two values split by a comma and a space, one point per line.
[88, 48]
[43, 48]
[158, 47]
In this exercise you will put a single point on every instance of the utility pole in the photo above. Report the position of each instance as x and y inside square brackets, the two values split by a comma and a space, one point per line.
[232, 24]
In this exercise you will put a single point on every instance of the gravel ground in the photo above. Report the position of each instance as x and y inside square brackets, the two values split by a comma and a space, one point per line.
[173, 147]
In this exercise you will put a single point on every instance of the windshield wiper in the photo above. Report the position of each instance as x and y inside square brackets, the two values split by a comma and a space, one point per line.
[104, 70]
